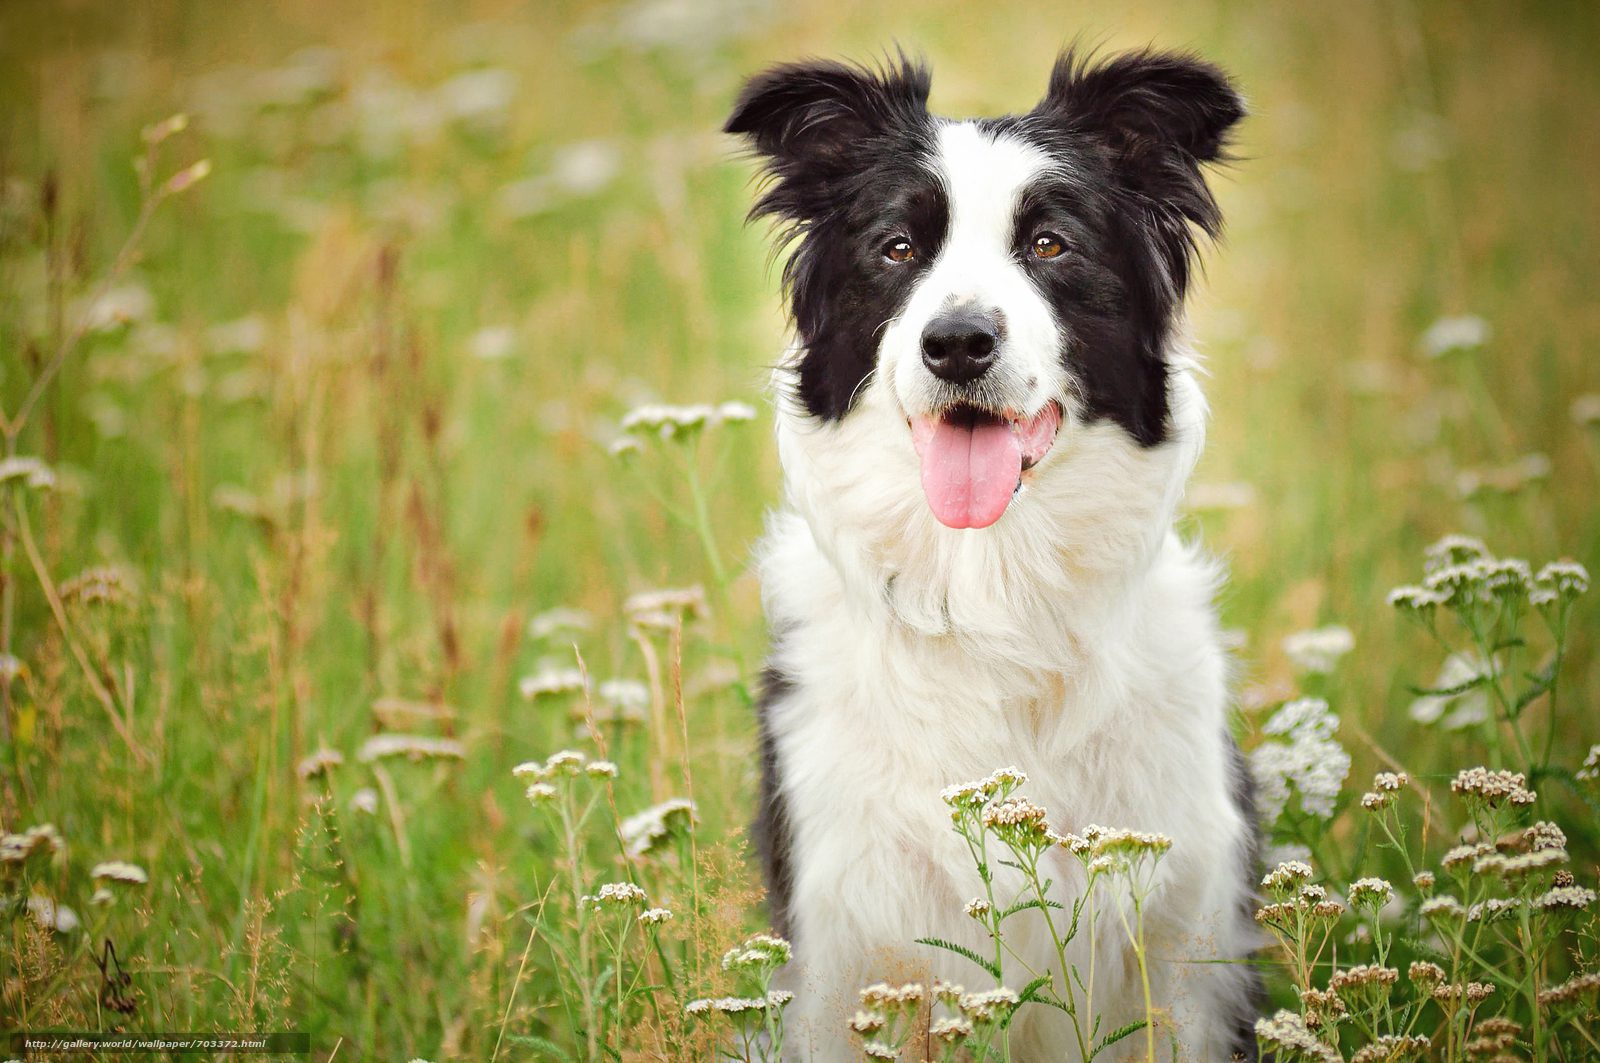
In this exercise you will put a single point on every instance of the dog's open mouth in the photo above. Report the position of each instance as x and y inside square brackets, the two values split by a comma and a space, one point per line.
[973, 459]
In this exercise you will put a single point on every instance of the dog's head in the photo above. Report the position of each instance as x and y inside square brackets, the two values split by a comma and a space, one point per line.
[1003, 282]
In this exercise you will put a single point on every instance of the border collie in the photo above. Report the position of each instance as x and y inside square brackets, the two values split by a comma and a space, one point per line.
[985, 422]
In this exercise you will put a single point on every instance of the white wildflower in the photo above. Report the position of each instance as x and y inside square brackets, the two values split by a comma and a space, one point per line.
[679, 422]
[1300, 756]
[412, 747]
[1590, 771]
[1464, 707]
[1493, 788]
[614, 895]
[663, 608]
[552, 681]
[989, 1005]
[1442, 908]
[1507, 479]
[1464, 332]
[492, 343]
[1575, 897]
[1586, 409]
[643, 832]
[1370, 893]
[319, 763]
[564, 762]
[1565, 578]
[559, 621]
[760, 952]
[122, 305]
[655, 916]
[16, 848]
[30, 471]
[624, 698]
[120, 871]
[1288, 1032]
[245, 335]
[1416, 599]
[1319, 650]
[52, 916]
[365, 800]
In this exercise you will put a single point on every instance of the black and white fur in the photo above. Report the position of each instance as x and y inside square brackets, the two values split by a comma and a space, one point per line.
[1075, 637]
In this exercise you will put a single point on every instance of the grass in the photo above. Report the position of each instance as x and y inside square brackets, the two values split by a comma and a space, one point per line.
[335, 515]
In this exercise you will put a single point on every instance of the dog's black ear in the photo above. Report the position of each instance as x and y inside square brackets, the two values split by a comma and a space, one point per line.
[1147, 101]
[806, 118]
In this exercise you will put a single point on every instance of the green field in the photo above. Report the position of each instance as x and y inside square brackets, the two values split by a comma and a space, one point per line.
[333, 429]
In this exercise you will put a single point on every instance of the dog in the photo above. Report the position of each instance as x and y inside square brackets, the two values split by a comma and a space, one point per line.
[985, 422]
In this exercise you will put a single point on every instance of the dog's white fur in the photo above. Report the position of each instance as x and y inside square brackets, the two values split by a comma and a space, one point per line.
[1075, 639]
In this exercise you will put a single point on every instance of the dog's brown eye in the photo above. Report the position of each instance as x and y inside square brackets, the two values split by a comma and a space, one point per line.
[1047, 245]
[899, 250]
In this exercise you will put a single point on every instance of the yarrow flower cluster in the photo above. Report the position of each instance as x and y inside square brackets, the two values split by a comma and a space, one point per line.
[411, 747]
[1493, 1036]
[1580, 989]
[665, 610]
[1393, 1048]
[738, 1006]
[761, 953]
[614, 895]
[1442, 909]
[1287, 1032]
[1287, 878]
[1370, 893]
[1590, 771]
[564, 764]
[319, 763]
[989, 1005]
[1385, 786]
[681, 422]
[560, 620]
[1559, 581]
[104, 585]
[1318, 651]
[29, 470]
[1460, 572]
[974, 795]
[1018, 822]
[119, 871]
[1300, 756]
[551, 681]
[1493, 788]
[1310, 905]
[881, 995]
[1115, 850]
[17, 848]
[1570, 898]
[1366, 982]
[645, 832]
[1459, 699]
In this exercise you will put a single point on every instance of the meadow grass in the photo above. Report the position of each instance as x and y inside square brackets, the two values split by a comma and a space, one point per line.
[317, 441]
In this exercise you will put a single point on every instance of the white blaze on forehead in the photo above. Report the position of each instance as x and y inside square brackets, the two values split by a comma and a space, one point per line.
[984, 175]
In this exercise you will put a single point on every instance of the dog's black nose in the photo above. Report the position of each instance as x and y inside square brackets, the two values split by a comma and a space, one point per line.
[958, 346]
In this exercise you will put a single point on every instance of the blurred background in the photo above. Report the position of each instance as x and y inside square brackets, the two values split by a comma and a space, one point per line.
[336, 436]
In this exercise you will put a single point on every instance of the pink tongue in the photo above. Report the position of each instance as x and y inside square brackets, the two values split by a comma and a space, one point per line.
[969, 471]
